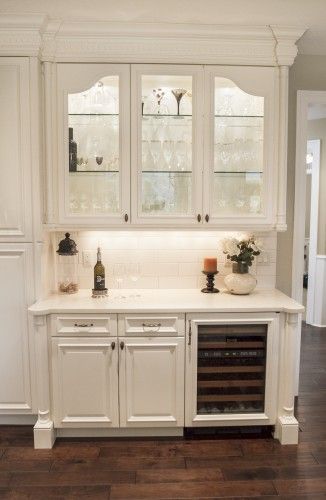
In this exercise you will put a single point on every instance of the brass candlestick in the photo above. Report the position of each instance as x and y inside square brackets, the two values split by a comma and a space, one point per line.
[210, 277]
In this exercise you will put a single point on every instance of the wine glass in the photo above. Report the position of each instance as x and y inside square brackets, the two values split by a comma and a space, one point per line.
[119, 272]
[133, 271]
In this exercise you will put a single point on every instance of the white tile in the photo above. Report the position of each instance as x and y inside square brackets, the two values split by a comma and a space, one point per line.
[190, 269]
[177, 282]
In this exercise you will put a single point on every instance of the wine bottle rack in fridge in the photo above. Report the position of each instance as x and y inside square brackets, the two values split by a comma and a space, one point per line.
[231, 368]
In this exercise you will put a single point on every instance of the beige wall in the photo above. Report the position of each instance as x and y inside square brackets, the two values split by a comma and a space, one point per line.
[317, 130]
[307, 73]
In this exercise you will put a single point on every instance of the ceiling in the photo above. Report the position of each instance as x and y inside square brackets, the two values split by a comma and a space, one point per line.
[307, 13]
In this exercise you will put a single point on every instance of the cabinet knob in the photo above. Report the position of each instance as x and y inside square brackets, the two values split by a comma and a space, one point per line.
[112, 346]
[126, 218]
[199, 217]
[206, 217]
[122, 345]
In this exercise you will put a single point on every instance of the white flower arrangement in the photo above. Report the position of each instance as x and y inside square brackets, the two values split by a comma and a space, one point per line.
[242, 250]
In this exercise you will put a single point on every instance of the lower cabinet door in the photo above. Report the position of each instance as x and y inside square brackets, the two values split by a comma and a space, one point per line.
[151, 382]
[85, 382]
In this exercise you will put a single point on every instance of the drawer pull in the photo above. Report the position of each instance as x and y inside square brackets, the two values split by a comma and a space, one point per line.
[153, 327]
[122, 345]
[112, 346]
[83, 325]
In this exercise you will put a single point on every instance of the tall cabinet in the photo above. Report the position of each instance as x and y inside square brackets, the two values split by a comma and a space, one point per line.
[16, 237]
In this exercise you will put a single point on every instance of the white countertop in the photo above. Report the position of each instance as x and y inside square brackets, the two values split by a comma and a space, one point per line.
[167, 301]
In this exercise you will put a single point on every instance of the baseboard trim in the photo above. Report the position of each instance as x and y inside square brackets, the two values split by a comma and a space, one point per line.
[18, 419]
[146, 432]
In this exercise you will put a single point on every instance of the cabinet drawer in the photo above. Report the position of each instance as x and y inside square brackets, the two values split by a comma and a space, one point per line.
[83, 324]
[160, 325]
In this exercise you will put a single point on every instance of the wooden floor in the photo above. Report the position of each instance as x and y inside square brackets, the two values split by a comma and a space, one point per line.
[178, 469]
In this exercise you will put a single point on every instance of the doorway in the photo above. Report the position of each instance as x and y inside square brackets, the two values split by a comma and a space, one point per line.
[309, 237]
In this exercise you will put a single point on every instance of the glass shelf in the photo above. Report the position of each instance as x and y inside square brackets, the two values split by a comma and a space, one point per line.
[166, 171]
[94, 172]
[245, 172]
[93, 114]
[239, 116]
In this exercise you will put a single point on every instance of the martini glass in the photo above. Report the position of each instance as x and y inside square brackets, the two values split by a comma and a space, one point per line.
[178, 94]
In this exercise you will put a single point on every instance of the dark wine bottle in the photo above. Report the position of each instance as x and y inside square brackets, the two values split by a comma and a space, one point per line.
[99, 273]
[72, 151]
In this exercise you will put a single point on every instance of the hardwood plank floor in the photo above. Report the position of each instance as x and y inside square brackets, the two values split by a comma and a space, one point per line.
[190, 468]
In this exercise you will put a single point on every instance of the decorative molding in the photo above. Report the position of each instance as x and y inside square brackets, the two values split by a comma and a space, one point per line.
[57, 40]
[286, 37]
[21, 35]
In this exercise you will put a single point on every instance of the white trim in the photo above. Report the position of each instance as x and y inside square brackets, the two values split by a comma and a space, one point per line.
[313, 236]
[101, 41]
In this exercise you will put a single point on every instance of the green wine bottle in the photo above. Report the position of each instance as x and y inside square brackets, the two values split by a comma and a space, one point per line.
[99, 273]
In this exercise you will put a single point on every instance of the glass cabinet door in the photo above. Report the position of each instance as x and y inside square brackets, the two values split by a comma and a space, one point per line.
[166, 146]
[238, 154]
[96, 147]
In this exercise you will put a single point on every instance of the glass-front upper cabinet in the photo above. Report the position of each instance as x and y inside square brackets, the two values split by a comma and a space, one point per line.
[166, 131]
[93, 113]
[239, 145]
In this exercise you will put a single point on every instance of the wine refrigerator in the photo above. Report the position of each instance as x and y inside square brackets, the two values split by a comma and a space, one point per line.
[230, 371]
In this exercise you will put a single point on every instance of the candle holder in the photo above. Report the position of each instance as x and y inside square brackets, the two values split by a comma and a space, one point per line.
[210, 278]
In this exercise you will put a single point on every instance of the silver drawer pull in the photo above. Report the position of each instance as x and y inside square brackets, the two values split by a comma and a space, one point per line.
[153, 327]
[83, 325]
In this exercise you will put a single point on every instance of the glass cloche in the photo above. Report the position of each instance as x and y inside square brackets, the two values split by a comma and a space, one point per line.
[67, 265]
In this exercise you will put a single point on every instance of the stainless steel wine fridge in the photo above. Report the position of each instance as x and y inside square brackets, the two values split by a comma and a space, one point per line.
[229, 371]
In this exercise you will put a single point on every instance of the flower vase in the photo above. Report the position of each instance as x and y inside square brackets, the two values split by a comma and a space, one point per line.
[240, 281]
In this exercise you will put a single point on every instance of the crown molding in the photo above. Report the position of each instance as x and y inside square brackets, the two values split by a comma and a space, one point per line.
[286, 48]
[21, 35]
[81, 41]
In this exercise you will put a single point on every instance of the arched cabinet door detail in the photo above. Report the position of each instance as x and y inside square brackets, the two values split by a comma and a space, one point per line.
[93, 122]
[239, 147]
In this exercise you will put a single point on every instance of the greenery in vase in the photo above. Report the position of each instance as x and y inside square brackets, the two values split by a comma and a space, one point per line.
[242, 250]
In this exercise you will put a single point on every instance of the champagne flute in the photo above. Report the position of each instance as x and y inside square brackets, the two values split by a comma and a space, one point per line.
[133, 271]
[119, 272]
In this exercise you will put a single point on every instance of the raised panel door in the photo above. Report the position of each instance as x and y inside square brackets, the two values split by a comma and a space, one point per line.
[85, 382]
[151, 382]
[15, 160]
[16, 294]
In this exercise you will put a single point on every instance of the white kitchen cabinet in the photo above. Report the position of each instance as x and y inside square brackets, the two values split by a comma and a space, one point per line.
[15, 151]
[240, 178]
[167, 155]
[151, 382]
[232, 370]
[204, 146]
[91, 181]
[85, 382]
[16, 294]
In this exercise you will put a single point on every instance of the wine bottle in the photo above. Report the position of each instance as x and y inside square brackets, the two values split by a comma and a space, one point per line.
[72, 151]
[99, 273]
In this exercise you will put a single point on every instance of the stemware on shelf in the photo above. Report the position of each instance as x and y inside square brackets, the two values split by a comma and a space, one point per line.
[133, 271]
[178, 94]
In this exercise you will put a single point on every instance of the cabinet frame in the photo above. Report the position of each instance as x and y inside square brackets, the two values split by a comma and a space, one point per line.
[196, 72]
[73, 78]
[192, 419]
[262, 82]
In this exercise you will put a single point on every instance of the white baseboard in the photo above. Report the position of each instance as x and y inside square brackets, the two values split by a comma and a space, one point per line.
[147, 432]
[18, 419]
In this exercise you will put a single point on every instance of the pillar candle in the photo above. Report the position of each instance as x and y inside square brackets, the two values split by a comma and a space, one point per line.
[210, 264]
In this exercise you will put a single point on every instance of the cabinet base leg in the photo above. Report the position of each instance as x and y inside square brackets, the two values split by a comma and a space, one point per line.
[287, 430]
[44, 435]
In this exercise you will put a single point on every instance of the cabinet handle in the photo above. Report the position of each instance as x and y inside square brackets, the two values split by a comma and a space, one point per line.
[122, 345]
[154, 327]
[83, 325]
[199, 217]
[189, 333]
[112, 346]
[206, 217]
[126, 218]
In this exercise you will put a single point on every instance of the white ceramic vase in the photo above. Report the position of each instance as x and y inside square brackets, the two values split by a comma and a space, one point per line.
[240, 281]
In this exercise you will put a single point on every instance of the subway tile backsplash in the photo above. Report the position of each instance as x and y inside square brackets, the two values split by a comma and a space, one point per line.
[167, 259]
